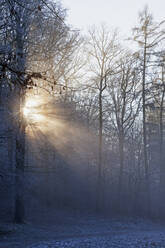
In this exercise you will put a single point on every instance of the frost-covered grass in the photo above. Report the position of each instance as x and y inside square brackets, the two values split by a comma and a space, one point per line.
[130, 240]
[63, 230]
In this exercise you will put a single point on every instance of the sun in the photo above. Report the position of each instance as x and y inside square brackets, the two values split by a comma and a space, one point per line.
[32, 110]
[26, 111]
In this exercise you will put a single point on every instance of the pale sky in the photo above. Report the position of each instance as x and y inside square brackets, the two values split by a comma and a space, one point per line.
[115, 13]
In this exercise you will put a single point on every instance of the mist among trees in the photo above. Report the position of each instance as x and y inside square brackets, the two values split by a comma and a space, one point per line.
[82, 117]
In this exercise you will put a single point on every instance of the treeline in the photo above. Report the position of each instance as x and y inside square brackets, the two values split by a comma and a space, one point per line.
[123, 101]
[107, 155]
[35, 44]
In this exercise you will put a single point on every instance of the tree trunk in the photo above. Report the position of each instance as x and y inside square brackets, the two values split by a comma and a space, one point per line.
[147, 183]
[99, 200]
[161, 159]
[20, 157]
[20, 125]
[121, 158]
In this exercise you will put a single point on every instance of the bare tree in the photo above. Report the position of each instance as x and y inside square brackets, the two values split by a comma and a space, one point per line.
[19, 68]
[124, 104]
[102, 50]
[148, 35]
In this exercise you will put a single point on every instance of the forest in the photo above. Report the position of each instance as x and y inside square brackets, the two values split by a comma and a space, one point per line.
[82, 125]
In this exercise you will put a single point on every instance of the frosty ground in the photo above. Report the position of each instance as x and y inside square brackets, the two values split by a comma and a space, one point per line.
[75, 230]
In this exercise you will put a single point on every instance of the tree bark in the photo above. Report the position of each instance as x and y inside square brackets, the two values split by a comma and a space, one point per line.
[147, 183]
[99, 200]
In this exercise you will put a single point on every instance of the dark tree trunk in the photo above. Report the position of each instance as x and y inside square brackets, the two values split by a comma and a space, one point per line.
[99, 200]
[147, 182]
[161, 157]
[20, 157]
